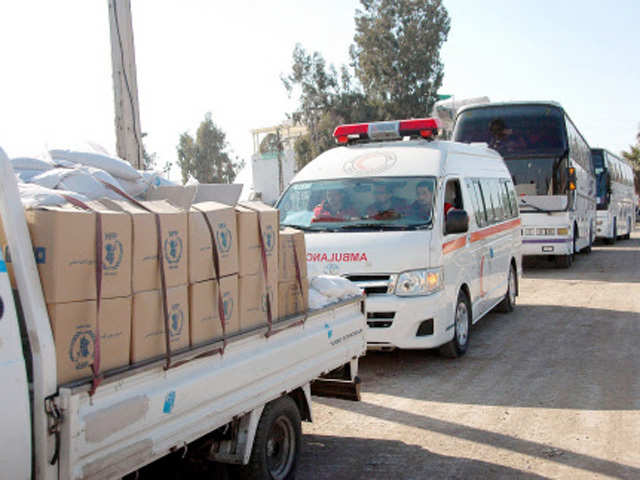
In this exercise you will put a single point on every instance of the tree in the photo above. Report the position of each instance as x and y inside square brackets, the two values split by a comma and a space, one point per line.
[633, 155]
[397, 53]
[395, 74]
[205, 157]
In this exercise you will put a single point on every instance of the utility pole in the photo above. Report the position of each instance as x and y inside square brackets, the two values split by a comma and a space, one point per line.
[125, 85]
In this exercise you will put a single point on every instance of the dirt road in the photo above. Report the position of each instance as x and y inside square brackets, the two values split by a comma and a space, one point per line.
[549, 391]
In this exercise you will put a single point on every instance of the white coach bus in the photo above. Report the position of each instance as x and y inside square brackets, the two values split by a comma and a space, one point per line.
[615, 208]
[551, 167]
[429, 229]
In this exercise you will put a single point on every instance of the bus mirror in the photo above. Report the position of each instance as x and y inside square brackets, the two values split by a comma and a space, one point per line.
[571, 178]
[457, 221]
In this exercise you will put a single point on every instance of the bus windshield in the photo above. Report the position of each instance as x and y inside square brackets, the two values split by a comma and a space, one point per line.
[531, 138]
[601, 178]
[362, 204]
[515, 130]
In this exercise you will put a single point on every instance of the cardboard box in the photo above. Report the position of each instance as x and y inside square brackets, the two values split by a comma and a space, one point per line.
[146, 269]
[74, 330]
[250, 257]
[147, 323]
[64, 241]
[290, 239]
[203, 308]
[253, 301]
[222, 219]
[182, 196]
[291, 300]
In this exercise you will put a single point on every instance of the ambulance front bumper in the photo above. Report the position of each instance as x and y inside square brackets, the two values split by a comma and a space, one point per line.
[408, 322]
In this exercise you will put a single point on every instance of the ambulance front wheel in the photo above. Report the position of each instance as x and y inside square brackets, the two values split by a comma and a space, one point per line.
[462, 328]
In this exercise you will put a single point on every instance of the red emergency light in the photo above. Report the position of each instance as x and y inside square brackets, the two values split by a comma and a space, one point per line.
[393, 130]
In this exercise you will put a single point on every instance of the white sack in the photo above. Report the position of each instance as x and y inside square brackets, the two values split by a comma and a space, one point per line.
[115, 166]
[102, 175]
[335, 287]
[36, 196]
[154, 178]
[318, 300]
[30, 163]
[51, 178]
[83, 182]
[134, 187]
[25, 176]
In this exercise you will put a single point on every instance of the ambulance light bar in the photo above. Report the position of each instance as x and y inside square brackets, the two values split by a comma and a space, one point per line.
[377, 131]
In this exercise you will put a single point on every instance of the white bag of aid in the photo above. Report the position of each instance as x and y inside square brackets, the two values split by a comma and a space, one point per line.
[335, 287]
[97, 158]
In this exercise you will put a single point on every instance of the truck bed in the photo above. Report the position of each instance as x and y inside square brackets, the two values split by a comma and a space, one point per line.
[142, 414]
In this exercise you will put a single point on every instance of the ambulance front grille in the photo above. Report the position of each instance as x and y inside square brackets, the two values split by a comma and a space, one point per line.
[371, 284]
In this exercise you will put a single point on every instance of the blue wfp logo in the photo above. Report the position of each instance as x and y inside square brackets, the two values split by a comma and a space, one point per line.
[269, 239]
[176, 320]
[224, 239]
[112, 254]
[82, 348]
[173, 248]
[227, 305]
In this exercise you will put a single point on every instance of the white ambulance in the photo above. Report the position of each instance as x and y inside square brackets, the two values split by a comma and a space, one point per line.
[373, 210]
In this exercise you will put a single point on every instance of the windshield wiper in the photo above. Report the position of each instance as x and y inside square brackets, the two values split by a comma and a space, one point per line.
[310, 229]
[373, 226]
[535, 207]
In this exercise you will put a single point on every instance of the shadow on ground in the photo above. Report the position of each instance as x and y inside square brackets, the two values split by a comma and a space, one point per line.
[546, 356]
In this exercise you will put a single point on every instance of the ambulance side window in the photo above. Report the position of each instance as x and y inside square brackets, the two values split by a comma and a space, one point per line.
[479, 211]
[485, 188]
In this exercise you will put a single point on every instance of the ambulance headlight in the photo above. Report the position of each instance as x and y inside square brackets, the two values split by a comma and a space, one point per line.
[419, 282]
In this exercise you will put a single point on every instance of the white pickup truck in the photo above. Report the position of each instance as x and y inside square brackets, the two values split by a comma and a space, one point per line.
[245, 406]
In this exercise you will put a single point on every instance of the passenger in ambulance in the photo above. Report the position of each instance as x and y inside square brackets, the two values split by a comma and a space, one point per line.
[385, 206]
[333, 208]
[423, 205]
[450, 197]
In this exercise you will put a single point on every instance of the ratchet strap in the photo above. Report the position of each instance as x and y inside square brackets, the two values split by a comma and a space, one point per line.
[165, 303]
[216, 268]
[96, 376]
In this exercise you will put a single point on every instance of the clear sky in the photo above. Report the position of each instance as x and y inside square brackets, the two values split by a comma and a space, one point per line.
[196, 56]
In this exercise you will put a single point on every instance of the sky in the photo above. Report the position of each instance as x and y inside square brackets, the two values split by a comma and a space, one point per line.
[199, 56]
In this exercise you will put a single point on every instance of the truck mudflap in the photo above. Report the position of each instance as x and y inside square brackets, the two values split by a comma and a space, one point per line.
[341, 383]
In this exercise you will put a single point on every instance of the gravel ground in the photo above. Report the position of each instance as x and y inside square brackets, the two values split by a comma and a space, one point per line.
[551, 390]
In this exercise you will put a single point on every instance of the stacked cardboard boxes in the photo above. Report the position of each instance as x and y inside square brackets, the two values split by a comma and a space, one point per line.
[292, 263]
[64, 240]
[253, 284]
[147, 319]
[205, 219]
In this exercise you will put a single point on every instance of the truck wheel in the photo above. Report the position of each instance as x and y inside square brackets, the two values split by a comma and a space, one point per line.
[462, 328]
[565, 261]
[277, 444]
[508, 303]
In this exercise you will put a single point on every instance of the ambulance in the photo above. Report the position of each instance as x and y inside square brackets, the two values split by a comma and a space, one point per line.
[429, 229]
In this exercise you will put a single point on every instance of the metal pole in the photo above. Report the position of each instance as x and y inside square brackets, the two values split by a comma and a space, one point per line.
[125, 85]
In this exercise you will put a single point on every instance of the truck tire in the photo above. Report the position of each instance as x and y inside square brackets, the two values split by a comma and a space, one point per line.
[508, 303]
[277, 443]
[462, 328]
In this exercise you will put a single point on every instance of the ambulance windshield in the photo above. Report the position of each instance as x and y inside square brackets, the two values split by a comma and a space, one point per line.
[394, 203]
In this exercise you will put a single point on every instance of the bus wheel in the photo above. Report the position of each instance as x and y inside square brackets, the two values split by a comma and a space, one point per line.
[277, 443]
[462, 328]
[612, 240]
[508, 303]
[588, 248]
[627, 235]
[565, 261]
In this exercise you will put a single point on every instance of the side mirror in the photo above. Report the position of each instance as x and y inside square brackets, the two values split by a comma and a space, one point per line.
[457, 221]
